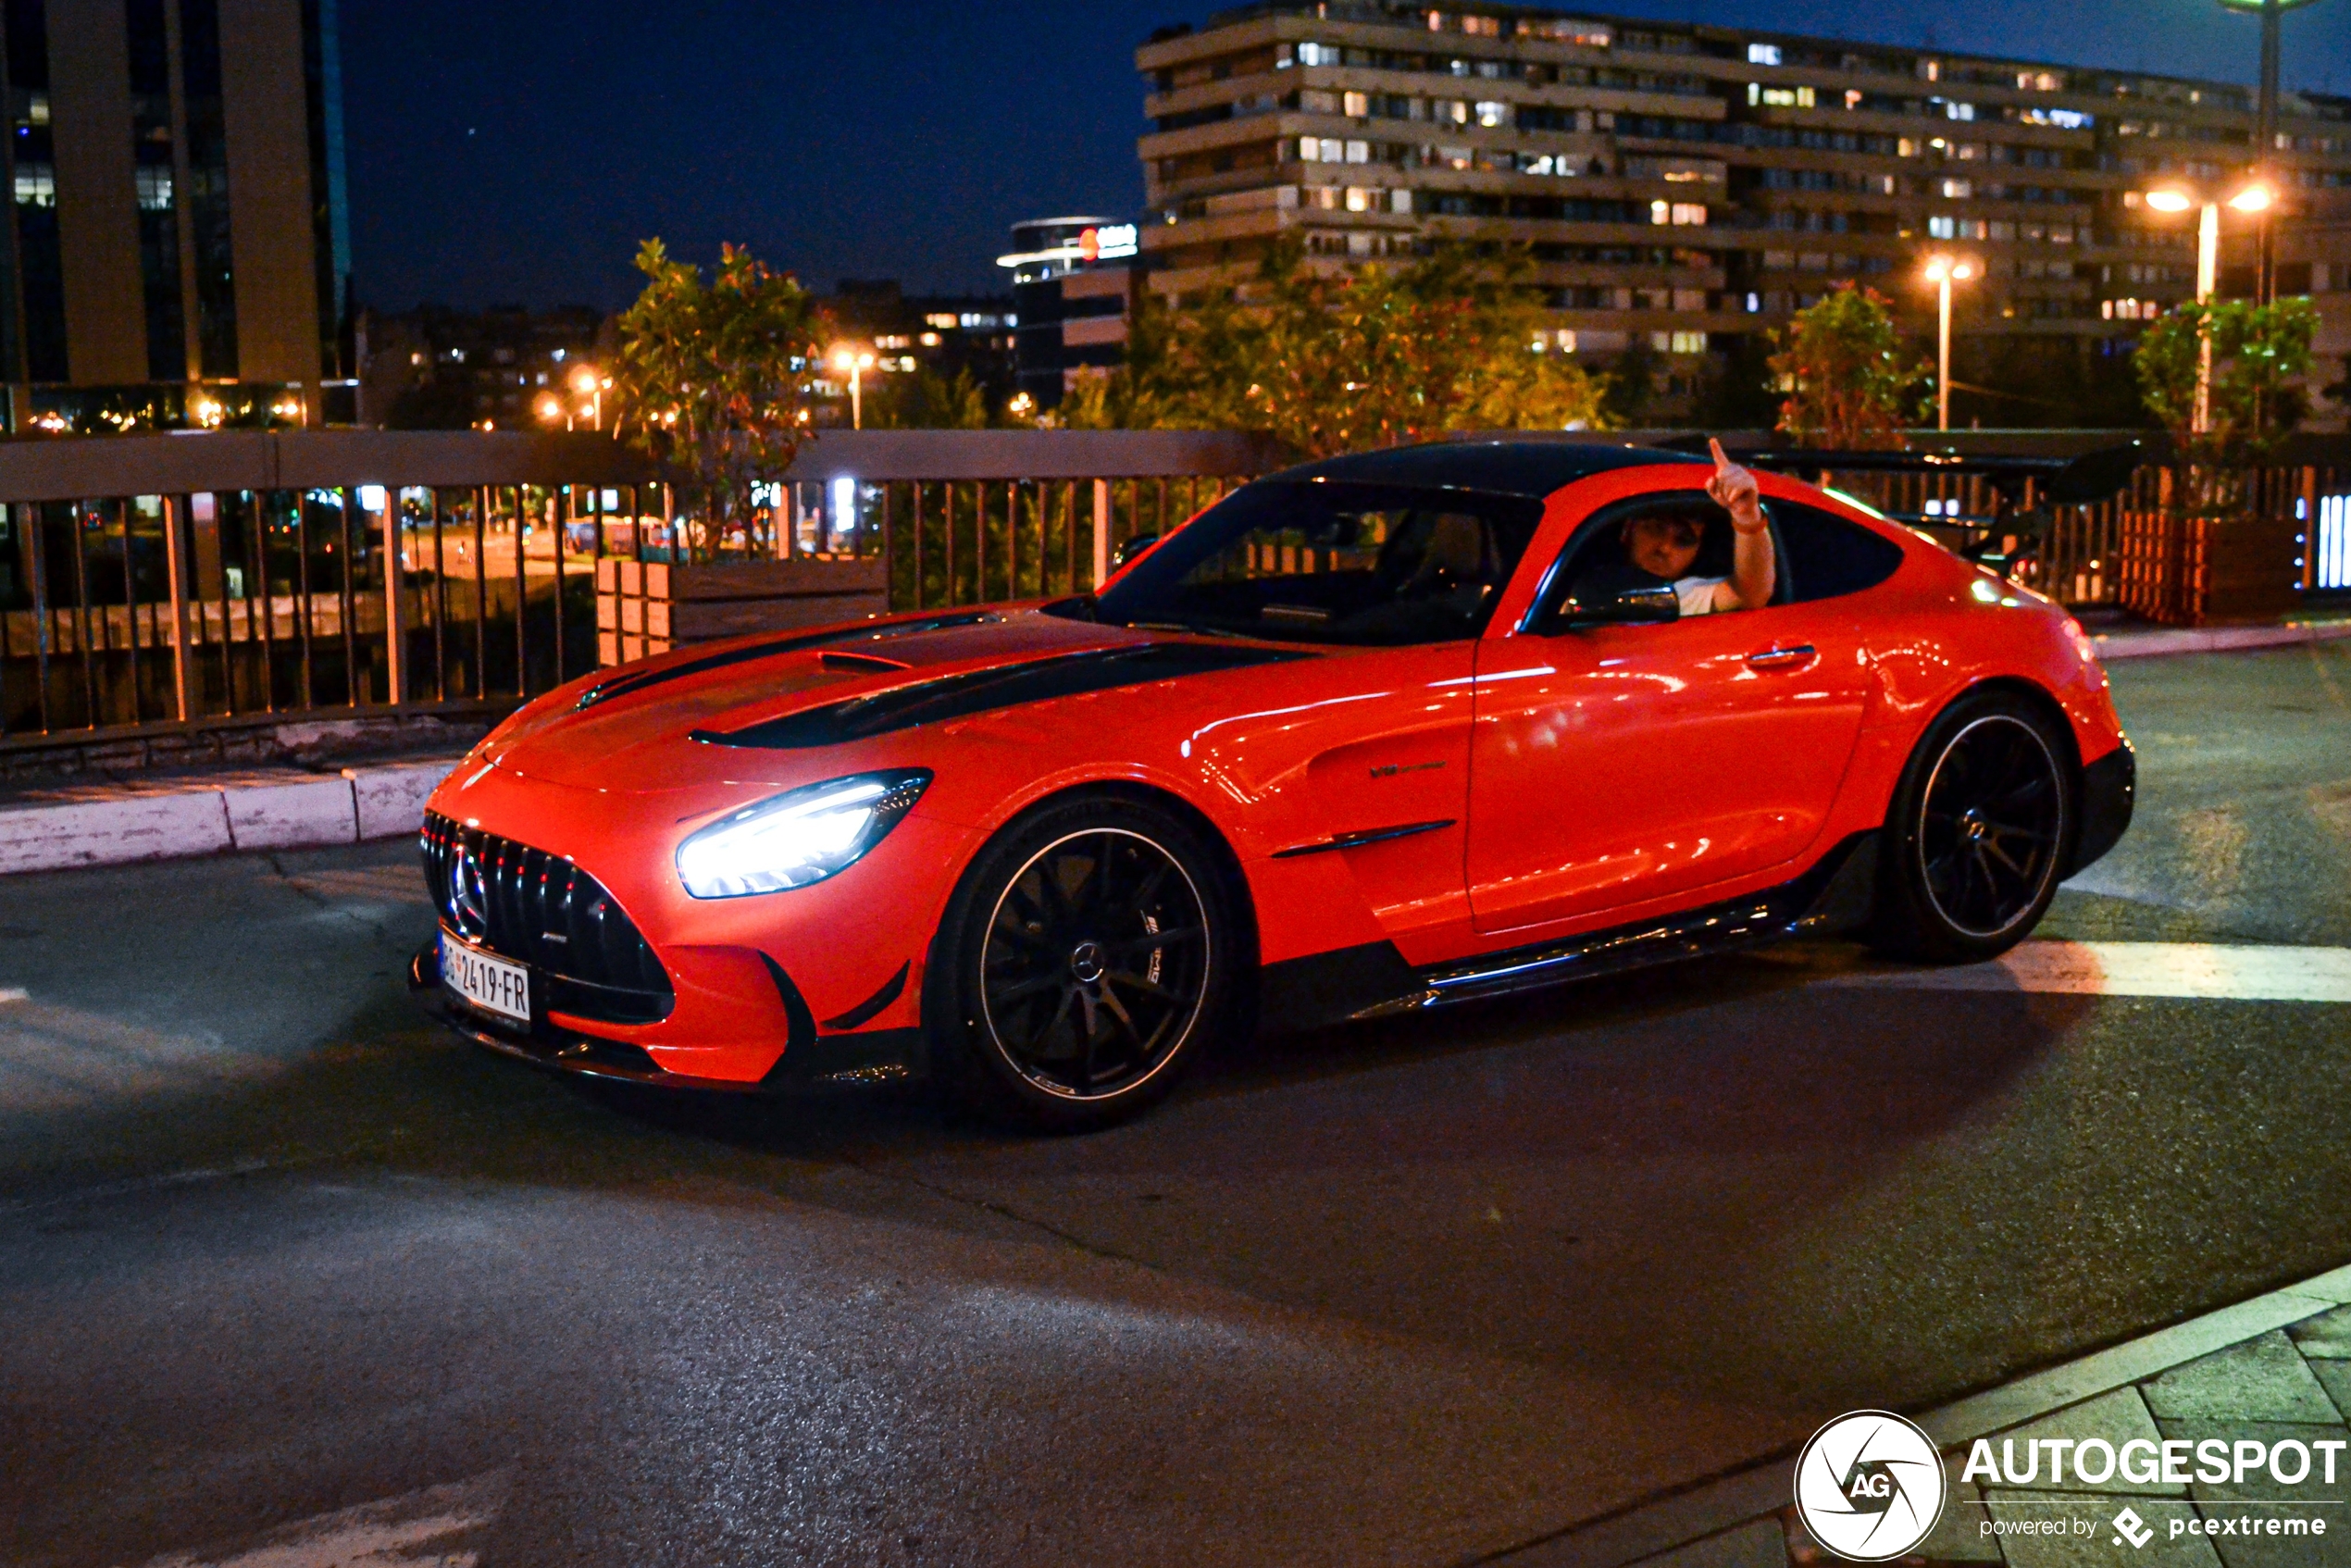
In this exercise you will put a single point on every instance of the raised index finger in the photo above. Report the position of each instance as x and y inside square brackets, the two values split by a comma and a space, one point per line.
[1721, 458]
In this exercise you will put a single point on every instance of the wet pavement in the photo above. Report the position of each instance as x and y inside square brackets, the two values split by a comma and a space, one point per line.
[277, 1258]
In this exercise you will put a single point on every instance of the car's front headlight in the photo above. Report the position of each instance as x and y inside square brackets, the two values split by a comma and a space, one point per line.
[801, 837]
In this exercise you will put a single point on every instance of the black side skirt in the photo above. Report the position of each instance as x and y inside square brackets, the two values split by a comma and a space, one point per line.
[1373, 980]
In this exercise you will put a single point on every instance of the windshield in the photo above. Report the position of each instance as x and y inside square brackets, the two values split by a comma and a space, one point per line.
[1315, 562]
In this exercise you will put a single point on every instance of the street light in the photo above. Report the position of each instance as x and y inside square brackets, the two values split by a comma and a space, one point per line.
[590, 385]
[2253, 197]
[1943, 271]
[551, 408]
[856, 362]
[2265, 124]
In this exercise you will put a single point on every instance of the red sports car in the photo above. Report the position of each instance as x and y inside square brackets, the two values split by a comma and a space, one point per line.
[1383, 732]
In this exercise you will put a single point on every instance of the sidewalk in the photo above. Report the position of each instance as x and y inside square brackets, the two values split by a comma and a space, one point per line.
[2269, 1372]
[132, 816]
[2145, 642]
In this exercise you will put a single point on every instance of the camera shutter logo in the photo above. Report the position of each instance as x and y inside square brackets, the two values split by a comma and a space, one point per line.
[1869, 1485]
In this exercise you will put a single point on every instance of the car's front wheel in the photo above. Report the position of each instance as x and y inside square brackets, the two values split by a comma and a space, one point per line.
[1977, 833]
[1091, 951]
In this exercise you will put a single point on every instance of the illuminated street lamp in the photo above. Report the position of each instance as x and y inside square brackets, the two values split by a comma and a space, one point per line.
[2265, 124]
[856, 362]
[2253, 197]
[590, 385]
[551, 408]
[1943, 271]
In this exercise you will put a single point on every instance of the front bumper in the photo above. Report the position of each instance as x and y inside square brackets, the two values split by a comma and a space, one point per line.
[807, 1058]
[2109, 790]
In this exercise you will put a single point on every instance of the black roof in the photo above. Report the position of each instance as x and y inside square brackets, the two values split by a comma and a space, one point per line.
[1505, 467]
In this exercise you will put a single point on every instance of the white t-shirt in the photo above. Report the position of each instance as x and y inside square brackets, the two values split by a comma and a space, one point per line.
[1697, 594]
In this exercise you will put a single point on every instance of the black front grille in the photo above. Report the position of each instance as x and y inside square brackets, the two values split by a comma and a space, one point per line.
[542, 910]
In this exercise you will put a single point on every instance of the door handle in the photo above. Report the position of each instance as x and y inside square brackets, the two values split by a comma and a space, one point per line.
[1775, 658]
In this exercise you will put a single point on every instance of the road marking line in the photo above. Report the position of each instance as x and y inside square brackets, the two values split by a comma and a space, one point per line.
[413, 1531]
[2202, 971]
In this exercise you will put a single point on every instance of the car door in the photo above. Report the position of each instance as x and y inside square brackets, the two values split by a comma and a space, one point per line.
[1614, 766]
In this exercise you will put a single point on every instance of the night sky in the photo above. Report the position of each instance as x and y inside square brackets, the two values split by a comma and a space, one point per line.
[515, 151]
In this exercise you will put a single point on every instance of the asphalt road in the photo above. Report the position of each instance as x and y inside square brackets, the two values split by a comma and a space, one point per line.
[280, 1267]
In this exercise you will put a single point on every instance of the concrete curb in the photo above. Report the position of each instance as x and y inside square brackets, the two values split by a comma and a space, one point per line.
[1713, 1522]
[119, 824]
[2216, 639]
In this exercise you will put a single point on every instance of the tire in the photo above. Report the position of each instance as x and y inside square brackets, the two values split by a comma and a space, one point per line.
[1089, 952]
[1977, 835]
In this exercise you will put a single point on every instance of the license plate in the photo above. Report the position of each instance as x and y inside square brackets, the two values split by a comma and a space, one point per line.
[491, 984]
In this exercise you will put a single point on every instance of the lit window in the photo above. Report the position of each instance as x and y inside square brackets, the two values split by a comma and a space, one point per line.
[1450, 109]
[1400, 201]
[1960, 111]
[1943, 228]
[1317, 54]
[1491, 115]
[1661, 212]
[1359, 199]
[1763, 53]
[1689, 213]
[36, 185]
[154, 188]
[1687, 343]
[1958, 189]
[944, 318]
[1357, 105]
[1357, 151]
[929, 339]
[1483, 26]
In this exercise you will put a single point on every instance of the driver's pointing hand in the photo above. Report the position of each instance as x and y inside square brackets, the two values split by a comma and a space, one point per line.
[1663, 548]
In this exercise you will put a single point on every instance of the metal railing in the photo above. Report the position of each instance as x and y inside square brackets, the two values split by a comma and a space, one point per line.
[152, 585]
[161, 585]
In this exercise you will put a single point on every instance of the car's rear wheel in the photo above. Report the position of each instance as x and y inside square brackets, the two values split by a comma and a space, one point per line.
[1977, 833]
[1089, 952]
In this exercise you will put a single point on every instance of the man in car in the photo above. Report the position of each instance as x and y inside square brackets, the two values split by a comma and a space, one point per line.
[1661, 549]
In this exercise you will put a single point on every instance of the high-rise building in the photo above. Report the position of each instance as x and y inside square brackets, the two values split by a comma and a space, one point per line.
[1682, 187]
[179, 212]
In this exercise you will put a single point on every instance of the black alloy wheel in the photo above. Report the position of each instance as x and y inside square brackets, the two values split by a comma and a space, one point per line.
[1978, 832]
[1093, 950]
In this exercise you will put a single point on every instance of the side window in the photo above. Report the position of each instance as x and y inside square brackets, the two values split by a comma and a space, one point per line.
[1827, 555]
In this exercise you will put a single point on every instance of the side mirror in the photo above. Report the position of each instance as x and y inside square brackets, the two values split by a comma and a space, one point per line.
[1635, 606]
[1131, 549]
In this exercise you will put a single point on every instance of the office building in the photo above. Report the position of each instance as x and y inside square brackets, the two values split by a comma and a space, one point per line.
[1074, 282]
[947, 335]
[179, 213]
[1682, 187]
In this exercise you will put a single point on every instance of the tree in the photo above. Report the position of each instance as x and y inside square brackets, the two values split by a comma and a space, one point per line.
[712, 379]
[929, 401]
[2259, 351]
[1840, 364]
[1335, 362]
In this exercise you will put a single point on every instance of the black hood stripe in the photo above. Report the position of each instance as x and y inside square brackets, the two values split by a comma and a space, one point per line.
[626, 684]
[1003, 686]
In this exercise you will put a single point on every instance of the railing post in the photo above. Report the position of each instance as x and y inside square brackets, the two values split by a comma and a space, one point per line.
[395, 686]
[175, 567]
[1101, 531]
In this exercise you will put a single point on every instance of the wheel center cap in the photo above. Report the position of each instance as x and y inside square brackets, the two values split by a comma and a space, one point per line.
[1974, 827]
[1086, 963]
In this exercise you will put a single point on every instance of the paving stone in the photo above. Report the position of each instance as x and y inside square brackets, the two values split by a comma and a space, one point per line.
[1763, 1544]
[2324, 1337]
[2335, 1376]
[2100, 1545]
[2261, 1379]
[1959, 1535]
[2118, 1418]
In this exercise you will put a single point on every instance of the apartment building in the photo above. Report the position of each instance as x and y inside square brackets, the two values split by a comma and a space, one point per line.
[1683, 187]
[1076, 280]
[178, 212]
